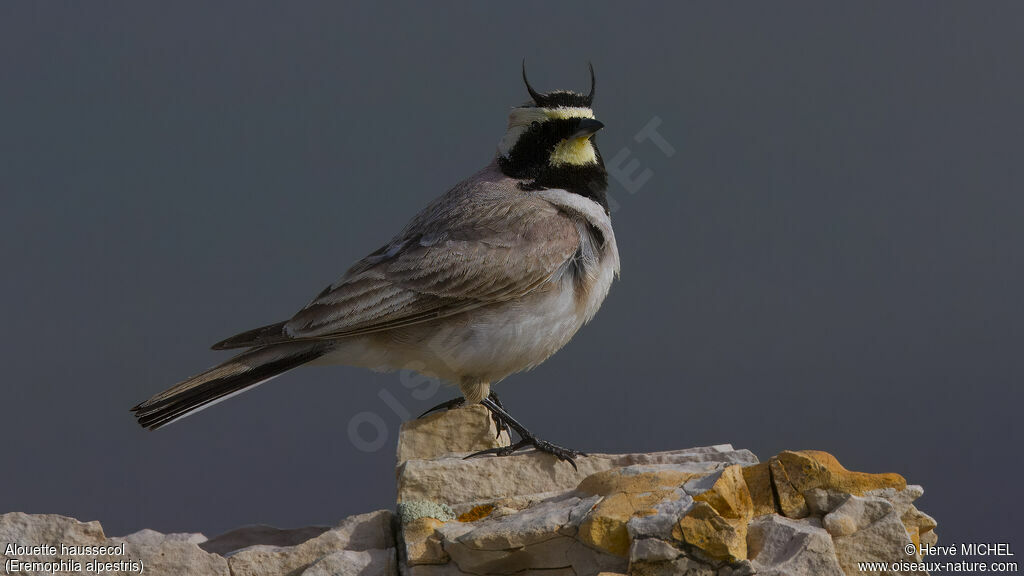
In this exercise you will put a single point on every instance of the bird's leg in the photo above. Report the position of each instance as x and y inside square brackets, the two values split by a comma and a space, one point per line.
[499, 423]
[526, 438]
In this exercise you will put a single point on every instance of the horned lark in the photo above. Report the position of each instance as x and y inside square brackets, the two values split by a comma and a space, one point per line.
[490, 279]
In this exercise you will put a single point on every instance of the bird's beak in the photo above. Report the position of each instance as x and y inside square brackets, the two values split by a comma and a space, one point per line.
[587, 128]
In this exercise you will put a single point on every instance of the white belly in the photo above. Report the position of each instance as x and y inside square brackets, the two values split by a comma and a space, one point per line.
[483, 345]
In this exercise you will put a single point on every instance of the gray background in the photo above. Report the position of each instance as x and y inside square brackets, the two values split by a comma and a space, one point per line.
[830, 260]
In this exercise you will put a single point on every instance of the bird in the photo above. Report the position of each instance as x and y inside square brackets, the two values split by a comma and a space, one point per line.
[490, 279]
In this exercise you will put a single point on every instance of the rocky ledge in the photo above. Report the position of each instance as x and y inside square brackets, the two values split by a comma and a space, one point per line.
[700, 511]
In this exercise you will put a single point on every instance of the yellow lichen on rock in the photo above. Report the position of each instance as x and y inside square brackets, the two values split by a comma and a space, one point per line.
[809, 469]
[477, 513]
[759, 484]
[605, 526]
[718, 537]
[791, 502]
[729, 495]
[616, 480]
[625, 495]
[606, 533]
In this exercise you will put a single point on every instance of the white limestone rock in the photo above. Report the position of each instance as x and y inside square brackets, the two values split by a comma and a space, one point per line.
[355, 563]
[171, 557]
[452, 480]
[147, 537]
[867, 529]
[458, 431]
[160, 554]
[358, 533]
[780, 546]
[29, 529]
[535, 524]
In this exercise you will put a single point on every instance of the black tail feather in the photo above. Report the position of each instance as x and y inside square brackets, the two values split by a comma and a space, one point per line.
[241, 372]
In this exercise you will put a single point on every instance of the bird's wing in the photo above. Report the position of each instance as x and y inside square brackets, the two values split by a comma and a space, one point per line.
[453, 258]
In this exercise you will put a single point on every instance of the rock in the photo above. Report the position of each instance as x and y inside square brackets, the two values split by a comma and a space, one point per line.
[462, 430]
[820, 502]
[158, 553]
[790, 501]
[809, 469]
[726, 491]
[171, 556]
[759, 483]
[147, 537]
[626, 493]
[652, 550]
[662, 521]
[919, 525]
[445, 570]
[711, 511]
[246, 536]
[535, 524]
[421, 544]
[30, 529]
[453, 481]
[780, 546]
[355, 563]
[901, 500]
[681, 566]
[705, 529]
[796, 473]
[558, 552]
[854, 514]
[531, 539]
[867, 529]
[358, 533]
[929, 538]
[170, 553]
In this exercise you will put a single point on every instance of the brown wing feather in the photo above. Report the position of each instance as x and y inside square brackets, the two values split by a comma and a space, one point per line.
[477, 246]
[485, 241]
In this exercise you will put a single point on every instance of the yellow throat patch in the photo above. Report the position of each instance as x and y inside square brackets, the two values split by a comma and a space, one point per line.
[575, 151]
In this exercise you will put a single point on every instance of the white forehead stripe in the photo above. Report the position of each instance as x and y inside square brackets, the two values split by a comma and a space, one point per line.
[520, 119]
[564, 112]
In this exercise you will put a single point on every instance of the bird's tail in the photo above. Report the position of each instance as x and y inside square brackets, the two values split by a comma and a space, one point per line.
[247, 370]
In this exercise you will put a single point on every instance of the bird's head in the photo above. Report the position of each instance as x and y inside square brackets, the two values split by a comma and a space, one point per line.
[550, 143]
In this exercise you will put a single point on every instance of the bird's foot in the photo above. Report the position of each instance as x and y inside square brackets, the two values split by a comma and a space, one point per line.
[454, 403]
[562, 453]
[527, 438]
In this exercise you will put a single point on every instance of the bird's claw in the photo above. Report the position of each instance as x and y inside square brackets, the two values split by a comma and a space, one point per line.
[560, 452]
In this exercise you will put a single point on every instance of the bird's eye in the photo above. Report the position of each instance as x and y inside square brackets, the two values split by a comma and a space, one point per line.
[534, 124]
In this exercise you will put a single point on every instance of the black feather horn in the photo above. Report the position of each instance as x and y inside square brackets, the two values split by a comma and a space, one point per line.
[533, 93]
[590, 97]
